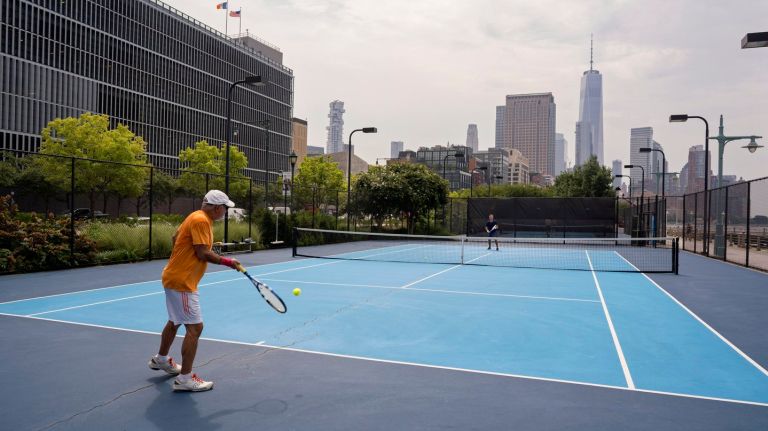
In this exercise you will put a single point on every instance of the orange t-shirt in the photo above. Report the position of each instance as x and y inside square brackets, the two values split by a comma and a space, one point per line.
[185, 269]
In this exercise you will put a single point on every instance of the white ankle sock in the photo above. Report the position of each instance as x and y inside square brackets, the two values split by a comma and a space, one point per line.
[159, 358]
[184, 377]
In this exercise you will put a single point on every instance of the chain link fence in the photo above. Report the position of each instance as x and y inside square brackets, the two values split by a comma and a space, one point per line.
[728, 223]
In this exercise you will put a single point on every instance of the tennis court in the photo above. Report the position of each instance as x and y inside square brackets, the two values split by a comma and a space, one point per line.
[382, 304]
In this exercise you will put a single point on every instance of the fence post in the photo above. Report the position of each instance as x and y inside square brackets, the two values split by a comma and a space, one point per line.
[695, 224]
[337, 210]
[450, 216]
[749, 209]
[684, 218]
[72, 213]
[151, 180]
[250, 209]
[725, 227]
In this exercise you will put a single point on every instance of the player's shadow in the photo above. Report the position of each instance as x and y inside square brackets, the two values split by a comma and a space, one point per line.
[179, 410]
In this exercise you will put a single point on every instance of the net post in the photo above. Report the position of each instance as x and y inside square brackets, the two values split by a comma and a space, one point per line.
[294, 240]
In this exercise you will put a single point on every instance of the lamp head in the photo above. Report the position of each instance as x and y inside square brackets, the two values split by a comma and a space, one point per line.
[254, 80]
[752, 147]
[646, 150]
[629, 166]
[293, 157]
[458, 154]
[618, 176]
[369, 130]
[679, 118]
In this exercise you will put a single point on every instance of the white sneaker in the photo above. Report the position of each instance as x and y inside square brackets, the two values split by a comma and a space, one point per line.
[169, 366]
[194, 384]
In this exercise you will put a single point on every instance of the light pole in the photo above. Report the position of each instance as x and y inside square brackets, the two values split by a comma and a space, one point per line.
[681, 118]
[349, 164]
[722, 140]
[248, 80]
[292, 158]
[457, 155]
[663, 167]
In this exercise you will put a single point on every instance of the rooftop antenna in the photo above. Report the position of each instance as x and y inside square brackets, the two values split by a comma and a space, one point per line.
[590, 51]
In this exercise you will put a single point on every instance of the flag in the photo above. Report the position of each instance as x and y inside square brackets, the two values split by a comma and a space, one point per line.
[235, 13]
[222, 6]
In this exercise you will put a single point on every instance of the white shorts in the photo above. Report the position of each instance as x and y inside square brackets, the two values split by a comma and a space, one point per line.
[183, 307]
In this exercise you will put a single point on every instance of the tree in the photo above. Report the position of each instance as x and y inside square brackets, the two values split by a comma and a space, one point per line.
[165, 189]
[89, 136]
[204, 159]
[505, 191]
[587, 180]
[318, 179]
[399, 189]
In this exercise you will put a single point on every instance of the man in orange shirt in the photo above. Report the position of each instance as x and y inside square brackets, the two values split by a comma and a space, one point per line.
[190, 256]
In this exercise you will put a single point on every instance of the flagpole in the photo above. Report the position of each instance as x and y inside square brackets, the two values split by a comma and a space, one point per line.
[240, 26]
[226, 20]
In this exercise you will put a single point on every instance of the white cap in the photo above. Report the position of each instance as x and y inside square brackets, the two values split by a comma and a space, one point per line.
[217, 197]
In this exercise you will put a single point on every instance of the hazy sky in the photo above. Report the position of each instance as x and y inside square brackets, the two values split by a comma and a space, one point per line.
[421, 71]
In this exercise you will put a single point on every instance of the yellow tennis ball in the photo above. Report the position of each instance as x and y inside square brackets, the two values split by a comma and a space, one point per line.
[296, 292]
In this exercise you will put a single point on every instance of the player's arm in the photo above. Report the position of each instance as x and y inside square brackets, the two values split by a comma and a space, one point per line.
[203, 253]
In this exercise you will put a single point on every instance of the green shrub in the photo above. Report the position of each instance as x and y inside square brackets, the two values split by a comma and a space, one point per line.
[31, 243]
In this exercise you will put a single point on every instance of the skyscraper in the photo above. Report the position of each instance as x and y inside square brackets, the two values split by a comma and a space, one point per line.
[472, 137]
[335, 142]
[500, 114]
[616, 168]
[394, 149]
[589, 128]
[561, 149]
[695, 177]
[640, 137]
[529, 126]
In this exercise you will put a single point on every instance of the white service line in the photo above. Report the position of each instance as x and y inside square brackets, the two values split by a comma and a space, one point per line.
[706, 325]
[438, 273]
[622, 359]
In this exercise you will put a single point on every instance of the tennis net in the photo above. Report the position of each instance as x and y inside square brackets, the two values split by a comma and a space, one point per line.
[586, 254]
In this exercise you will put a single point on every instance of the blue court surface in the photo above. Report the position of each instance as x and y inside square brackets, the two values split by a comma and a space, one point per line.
[614, 332]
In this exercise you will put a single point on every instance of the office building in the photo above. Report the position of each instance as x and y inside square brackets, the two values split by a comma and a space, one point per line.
[695, 181]
[313, 150]
[335, 142]
[500, 115]
[299, 139]
[561, 152]
[529, 126]
[443, 161]
[589, 128]
[472, 141]
[146, 65]
[395, 147]
[616, 169]
[640, 137]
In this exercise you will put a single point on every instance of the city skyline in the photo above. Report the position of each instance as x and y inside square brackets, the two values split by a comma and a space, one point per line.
[648, 75]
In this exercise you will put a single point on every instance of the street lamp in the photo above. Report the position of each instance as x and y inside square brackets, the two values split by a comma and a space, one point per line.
[722, 140]
[681, 118]
[458, 154]
[472, 178]
[663, 167]
[349, 164]
[248, 80]
[755, 40]
[642, 184]
[630, 183]
[292, 158]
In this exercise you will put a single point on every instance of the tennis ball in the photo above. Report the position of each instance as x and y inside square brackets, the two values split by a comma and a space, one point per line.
[296, 292]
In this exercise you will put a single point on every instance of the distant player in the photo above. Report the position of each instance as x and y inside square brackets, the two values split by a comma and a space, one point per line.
[493, 230]
[190, 256]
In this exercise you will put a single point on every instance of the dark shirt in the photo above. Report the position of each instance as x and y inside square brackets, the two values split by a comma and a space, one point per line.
[490, 226]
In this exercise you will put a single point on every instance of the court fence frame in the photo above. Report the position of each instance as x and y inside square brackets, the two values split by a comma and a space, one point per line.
[734, 227]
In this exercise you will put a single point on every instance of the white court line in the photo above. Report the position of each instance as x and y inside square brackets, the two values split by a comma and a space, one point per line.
[706, 325]
[616, 343]
[459, 292]
[120, 299]
[438, 273]
[415, 364]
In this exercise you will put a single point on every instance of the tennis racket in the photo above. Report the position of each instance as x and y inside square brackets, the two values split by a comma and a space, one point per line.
[268, 294]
